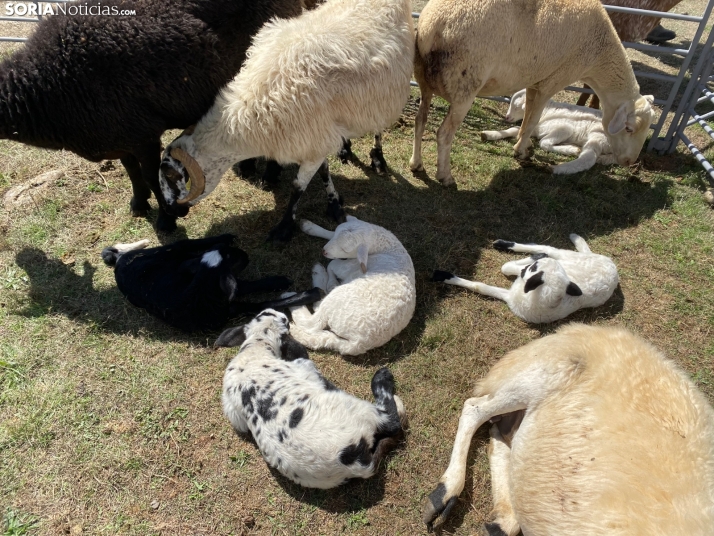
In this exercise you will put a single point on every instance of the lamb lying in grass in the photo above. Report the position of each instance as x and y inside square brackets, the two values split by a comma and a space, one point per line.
[370, 289]
[550, 284]
[595, 433]
[565, 129]
[305, 427]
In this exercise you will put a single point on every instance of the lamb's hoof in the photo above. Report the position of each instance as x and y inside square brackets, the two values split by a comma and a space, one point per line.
[345, 154]
[165, 223]
[335, 210]
[709, 196]
[139, 207]
[492, 529]
[438, 504]
[447, 180]
[379, 164]
[283, 232]
[439, 276]
[504, 245]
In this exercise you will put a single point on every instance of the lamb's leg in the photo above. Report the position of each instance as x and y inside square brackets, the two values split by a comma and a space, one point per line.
[149, 157]
[415, 163]
[271, 176]
[493, 135]
[568, 150]
[515, 247]
[499, 458]
[319, 276]
[515, 267]
[445, 137]
[379, 165]
[588, 158]
[552, 140]
[535, 102]
[340, 270]
[141, 193]
[345, 153]
[580, 244]
[481, 288]
[284, 230]
[313, 229]
[334, 201]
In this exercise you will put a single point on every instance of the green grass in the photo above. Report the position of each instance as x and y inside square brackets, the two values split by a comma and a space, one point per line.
[104, 411]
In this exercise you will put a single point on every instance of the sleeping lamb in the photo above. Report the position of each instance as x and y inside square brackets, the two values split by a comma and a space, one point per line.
[370, 289]
[305, 427]
[550, 284]
[565, 129]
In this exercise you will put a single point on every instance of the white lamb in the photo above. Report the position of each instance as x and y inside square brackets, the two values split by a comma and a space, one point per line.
[370, 288]
[565, 129]
[550, 284]
[336, 72]
[305, 427]
[595, 434]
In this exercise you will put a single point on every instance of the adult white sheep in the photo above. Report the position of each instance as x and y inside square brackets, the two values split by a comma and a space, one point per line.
[471, 48]
[595, 433]
[370, 288]
[308, 429]
[563, 128]
[550, 284]
[336, 72]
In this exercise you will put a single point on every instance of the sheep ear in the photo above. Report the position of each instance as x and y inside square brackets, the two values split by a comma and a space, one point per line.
[573, 290]
[231, 337]
[351, 218]
[290, 349]
[649, 98]
[362, 254]
[619, 120]
[534, 282]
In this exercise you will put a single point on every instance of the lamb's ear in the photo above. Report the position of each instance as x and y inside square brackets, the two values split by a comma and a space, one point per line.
[231, 337]
[351, 218]
[649, 98]
[618, 121]
[573, 290]
[362, 255]
[534, 282]
[290, 349]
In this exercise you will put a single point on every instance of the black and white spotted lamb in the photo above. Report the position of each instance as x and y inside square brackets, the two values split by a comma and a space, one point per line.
[191, 284]
[309, 430]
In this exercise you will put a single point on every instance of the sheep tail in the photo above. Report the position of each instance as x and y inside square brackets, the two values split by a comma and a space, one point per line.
[391, 431]
[580, 244]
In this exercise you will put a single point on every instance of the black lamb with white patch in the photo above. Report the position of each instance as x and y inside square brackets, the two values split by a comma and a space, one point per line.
[309, 430]
[107, 87]
[190, 284]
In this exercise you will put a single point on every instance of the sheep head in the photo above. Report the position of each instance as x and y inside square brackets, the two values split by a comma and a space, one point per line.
[351, 240]
[627, 128]
[517, 107]
[547, 279]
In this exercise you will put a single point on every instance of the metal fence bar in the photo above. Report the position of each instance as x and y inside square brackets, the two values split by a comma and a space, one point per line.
[658, 14]
[700, 158]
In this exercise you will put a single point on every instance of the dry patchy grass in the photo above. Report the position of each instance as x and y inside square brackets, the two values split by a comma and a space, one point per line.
[110, 422]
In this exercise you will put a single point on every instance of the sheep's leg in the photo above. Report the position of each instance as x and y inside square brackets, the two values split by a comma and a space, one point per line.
[551, 141]
[445, 137]
[493, 135]
[319, 277]
[567, 150]
[476, 412]
[334, 201]
[580, 244]
[345, 153]
[313, 229]
[515, 267]
[535, 102]
[379, 164]
[499, 458]
[587, 158]
[514, 247]
[415, 163]
[150, 160]
[340, 270]
[481, 288]
[141, 192]
[283, 232]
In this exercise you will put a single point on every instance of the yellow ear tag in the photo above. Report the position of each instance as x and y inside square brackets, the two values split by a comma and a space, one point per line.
[188, 184]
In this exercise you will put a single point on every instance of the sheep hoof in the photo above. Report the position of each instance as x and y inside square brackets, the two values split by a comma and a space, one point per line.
[492, 529]
[448, 180]
[281, 233]
[435, 506]
[335, 210]
[139, 207]
[523, 155]
[379, 164]
[345, 153]
[416, 166]
[503, 245]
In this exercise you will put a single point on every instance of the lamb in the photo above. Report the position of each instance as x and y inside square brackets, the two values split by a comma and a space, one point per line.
[107, 87]
[190, 284]
[309, 430]
[563, 128]
[550, 284]
[470, 48]
[596, 433]
[336, 72]
[370, 288]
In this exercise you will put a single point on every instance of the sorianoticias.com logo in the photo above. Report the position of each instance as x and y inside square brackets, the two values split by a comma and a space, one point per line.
[23, 9]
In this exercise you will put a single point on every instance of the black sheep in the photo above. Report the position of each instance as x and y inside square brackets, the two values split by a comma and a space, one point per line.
[107, 87]
[190, 284]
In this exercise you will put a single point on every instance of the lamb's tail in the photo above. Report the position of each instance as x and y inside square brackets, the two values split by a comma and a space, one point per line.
[111, 254]
[391, 431]
[580, 244]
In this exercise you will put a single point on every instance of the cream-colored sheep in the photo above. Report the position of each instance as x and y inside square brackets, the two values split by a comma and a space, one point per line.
[471, 48]
[595, 433]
